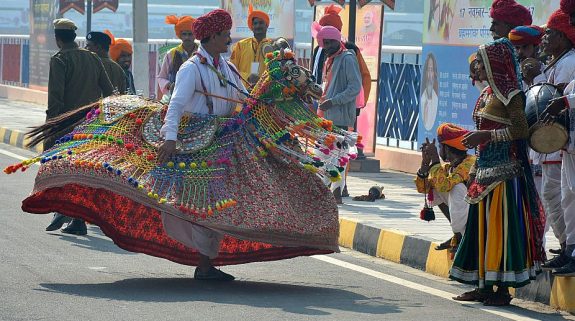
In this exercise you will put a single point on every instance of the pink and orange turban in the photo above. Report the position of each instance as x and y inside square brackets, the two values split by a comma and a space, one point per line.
[211, 23]
[118, 46]
[321, 33]
[180, 24]
[257, 14]
[559, 20]
[526, 35]
[511, 12]
[568, 6]
[451, 135]
[331, 17]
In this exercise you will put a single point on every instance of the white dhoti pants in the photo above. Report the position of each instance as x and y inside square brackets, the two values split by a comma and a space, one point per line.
[568, 197]
[551, 199]
[458, 207]
[205, 240]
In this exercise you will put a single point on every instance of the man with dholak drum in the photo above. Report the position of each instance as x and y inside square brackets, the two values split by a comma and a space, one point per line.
[526, 40]
[558, 42]
[564, 264]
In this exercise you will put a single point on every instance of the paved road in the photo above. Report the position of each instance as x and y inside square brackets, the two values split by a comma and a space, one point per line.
[52, 276]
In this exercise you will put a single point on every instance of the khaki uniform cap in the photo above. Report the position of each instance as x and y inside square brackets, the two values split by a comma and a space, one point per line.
[64, 24]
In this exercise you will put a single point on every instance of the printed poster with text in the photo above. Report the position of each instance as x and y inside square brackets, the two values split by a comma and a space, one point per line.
[368, 32]
[281, 12]
[453, 30]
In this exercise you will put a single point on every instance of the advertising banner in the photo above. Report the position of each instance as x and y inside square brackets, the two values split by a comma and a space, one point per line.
[42, 43]
[453, 30]
[281, 12]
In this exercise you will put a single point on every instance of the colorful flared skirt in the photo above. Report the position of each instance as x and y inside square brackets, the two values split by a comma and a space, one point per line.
[502, 242]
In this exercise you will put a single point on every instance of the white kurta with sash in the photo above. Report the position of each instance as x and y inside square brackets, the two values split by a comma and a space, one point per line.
[188, 97]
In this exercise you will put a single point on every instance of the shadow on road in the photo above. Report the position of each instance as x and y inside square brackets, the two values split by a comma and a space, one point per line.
[95, 240]
[293, 298]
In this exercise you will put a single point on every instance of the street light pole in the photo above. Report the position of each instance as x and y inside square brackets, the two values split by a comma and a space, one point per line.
[89, 16]
[352, 20]
[351, 38]
[140, 37]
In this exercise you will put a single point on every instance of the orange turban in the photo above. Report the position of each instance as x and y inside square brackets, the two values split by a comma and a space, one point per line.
[181, 24]
[256, 14]
[331, 17]
[451, 135]
[118, 46]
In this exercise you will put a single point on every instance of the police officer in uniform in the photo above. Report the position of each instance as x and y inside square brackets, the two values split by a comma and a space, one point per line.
[77, 78]
[99, 43]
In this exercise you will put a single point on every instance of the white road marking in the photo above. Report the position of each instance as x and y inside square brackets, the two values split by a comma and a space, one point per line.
[421, 288]
[97, 268]
[10, 154]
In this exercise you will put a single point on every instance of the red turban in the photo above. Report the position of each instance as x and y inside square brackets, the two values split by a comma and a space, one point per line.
[526, 35]
[331, 17]
[510, 12]
[568, 6]
[257, 14]
[181, 24]
[559, 20]
[451, 135]
[211, 23]
[118, 46]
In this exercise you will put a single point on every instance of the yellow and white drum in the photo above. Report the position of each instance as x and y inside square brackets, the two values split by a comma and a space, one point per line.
[544, 138]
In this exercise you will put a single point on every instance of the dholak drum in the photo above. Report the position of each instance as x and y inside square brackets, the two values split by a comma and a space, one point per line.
[544, 138]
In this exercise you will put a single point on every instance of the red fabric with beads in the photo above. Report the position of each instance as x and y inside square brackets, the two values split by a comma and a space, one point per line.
[115, 214]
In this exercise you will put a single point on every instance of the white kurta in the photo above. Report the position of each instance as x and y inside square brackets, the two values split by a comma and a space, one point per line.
[458, 207]
[188, 98]
[568, 172]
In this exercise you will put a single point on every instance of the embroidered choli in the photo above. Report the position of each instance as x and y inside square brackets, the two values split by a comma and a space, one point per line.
[499, 160]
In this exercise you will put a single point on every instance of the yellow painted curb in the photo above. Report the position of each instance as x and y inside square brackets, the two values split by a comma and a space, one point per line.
[2, 134]
[562, 294]
[389, 245]
[14, 139]
[438, 262]
[346, 233]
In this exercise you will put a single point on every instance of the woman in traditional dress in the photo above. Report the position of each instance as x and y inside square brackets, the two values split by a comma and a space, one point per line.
[502, 245]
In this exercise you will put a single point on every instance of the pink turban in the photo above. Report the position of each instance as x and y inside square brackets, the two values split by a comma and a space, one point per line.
[326, 32]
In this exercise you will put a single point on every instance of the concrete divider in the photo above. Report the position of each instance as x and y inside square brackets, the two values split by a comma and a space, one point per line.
[17, 139]
[398, 159]
[24, 94]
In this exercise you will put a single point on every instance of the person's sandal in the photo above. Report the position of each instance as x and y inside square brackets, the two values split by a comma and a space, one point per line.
[475, 296]
[444, 246]
[213, 274]
[498, 300]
